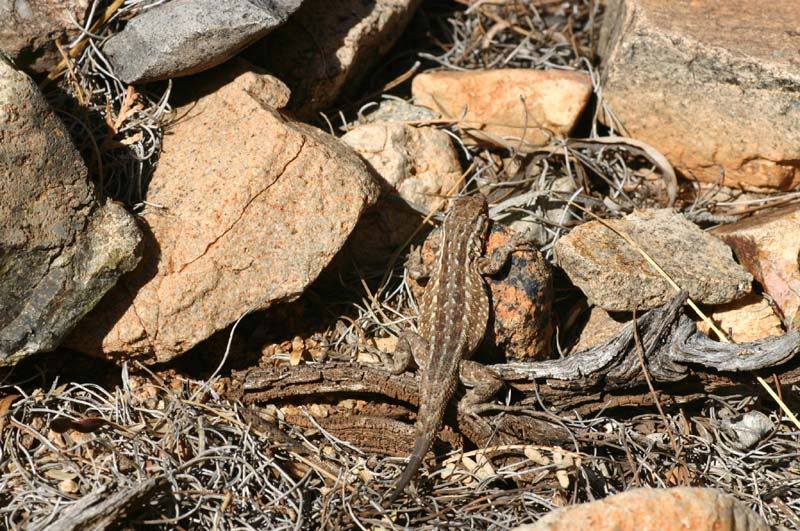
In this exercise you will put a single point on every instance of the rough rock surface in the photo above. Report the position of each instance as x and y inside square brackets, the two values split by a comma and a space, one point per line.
[768, 245]
[614, 276]
[493, 100]
[253, 206]
[327, 47]
[712, 85]
[748, 319]
[393, 110]
[677, 509]
[60, 249]
[522, 300]
[416, 166]
[601, 326]
[30, 29]
[419, 163]
[183, 37]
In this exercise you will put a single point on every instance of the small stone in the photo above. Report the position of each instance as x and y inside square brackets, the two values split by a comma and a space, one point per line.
[750, 429]
[30, 29]
[183, 37]
[712, 85]
[748, 319]
[416, 165]
[616, 277]
[61, 248]
[509, 103]
[419, 163]
[252, 207]
[394, 110]
[768, 245]
[677, 509]
[327, 48]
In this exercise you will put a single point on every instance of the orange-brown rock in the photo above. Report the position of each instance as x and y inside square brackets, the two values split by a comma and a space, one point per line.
[768, 245]
[508, 103]
[748, 319]
[712, 85]
[250, 207]
[677, 509]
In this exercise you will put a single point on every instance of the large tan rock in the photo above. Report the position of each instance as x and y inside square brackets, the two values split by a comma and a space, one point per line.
[678, 509]
[327, 48]
[768, 245]
[616, 277]
[30, 29]
[509, 103]
[252, 206]
[61, 247]
[712, 85]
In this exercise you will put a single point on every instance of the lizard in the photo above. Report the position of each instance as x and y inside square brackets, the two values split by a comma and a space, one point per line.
[453, 316]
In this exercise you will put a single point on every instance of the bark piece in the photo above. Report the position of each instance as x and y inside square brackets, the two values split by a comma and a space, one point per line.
[102, 509]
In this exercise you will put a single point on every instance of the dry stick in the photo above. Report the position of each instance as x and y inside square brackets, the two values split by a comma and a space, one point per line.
[723, 337]
[78, 48]
[646, 373]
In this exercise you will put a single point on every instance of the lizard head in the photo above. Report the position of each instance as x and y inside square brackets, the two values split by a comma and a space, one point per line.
[469, 214]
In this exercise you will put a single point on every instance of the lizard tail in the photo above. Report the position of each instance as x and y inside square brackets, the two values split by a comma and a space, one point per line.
[421, 447]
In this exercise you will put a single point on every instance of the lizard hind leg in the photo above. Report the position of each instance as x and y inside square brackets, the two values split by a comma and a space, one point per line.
[482, 383]
[410, 345]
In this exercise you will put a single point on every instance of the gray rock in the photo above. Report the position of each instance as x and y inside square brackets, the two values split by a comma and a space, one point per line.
[614, 276]
[392, 110]
[30, 29]
[328, 47]
[60, 249]
[183, 37]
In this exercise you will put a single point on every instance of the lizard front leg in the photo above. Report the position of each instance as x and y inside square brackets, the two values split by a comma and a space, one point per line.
[482, 383]
[492, 264]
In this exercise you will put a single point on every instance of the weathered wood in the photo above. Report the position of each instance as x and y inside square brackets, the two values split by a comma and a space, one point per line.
[682, 363]
[102, 509]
